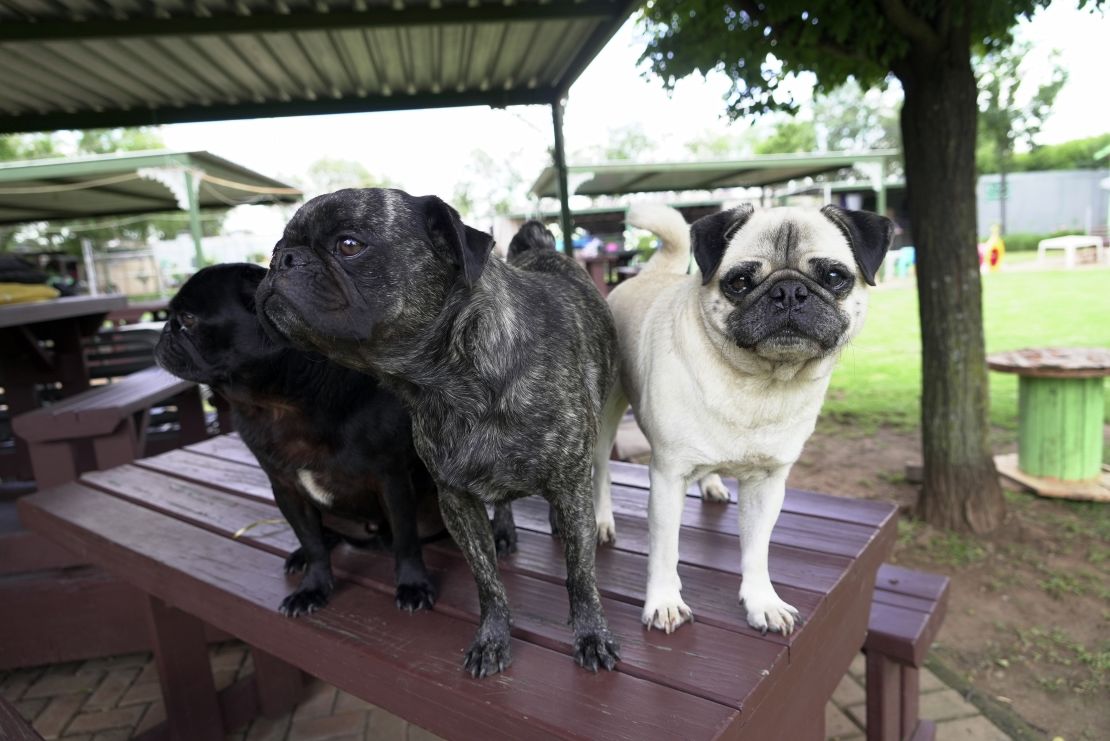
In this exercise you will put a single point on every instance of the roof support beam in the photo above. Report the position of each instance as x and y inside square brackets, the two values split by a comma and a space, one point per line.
[229, 111]
[375, 17]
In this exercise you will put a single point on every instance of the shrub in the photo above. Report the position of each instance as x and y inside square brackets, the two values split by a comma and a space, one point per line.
[1026, 242]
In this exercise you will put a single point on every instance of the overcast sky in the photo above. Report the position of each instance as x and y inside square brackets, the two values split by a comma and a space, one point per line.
[425, 151]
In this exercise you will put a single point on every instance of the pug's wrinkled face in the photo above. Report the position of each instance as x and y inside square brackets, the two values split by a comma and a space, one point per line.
[359, 268]
[212, 334]
[788, 284]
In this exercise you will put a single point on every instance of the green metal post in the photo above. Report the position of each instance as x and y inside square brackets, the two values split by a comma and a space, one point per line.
[1060, 427]
[565, 221]
[194, 219]
[880, 195]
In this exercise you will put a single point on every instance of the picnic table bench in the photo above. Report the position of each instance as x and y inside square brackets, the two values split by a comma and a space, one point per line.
[106, 425]
[173, 526]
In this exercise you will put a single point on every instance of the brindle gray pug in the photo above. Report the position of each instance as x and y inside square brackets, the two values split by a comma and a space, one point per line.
[504, 367]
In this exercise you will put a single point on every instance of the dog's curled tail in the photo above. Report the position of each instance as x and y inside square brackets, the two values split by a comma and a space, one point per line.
[532, 236]
[669, 225]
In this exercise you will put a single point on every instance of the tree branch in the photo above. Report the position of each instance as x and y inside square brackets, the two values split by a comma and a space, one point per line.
[909, 24]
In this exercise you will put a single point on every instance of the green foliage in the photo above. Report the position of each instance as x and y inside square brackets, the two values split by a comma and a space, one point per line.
[759, 45]
[26, 147]
[331, 174]
[490, 187]
[1077, 154]
[1025, 242]
[789, 135]
[710, 145]
[855, 119]
[1004, 120]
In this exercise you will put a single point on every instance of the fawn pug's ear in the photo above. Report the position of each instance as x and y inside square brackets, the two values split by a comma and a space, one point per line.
[466, 247]
[868, 235]
[710, 235]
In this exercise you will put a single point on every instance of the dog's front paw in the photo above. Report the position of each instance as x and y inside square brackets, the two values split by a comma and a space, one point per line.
[606, 530]
[713, 489]
[296, 562]
[597, 649]
[416, 596]
[766, 612]
[304, 601]
[487, 656]
[666, 613]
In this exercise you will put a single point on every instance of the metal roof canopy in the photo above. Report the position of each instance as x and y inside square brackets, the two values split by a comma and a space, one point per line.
[111, 185]
[132, 183]
[622, 178]
[123, 63]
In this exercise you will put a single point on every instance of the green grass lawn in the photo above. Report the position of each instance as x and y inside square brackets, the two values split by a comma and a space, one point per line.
[879, 377]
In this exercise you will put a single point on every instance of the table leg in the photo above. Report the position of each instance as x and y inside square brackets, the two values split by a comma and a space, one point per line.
[181, 654]
[884, 699]
[280, 685]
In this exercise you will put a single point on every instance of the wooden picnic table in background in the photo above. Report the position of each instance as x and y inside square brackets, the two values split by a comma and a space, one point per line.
[40, 343]
[170, 525]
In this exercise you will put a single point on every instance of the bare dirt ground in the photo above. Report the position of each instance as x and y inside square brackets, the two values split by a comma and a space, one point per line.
[1028, 624]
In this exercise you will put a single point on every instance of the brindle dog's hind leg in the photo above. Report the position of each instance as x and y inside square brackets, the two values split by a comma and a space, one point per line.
[469, 525]
[504, 528]
[415, 590]
[594, 645]
[314, 555]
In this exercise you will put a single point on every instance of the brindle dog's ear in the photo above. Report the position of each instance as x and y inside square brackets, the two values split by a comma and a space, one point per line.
[466, 247]
[868, 235]
[709, 237]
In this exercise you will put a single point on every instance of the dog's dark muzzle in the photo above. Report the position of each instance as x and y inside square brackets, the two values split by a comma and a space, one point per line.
[791, 311]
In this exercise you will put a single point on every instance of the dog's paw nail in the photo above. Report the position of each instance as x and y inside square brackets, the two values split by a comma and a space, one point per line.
[413, 597]
[596, 650]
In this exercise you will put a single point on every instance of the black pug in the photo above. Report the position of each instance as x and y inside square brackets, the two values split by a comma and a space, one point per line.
[330, 439]
[504, 367]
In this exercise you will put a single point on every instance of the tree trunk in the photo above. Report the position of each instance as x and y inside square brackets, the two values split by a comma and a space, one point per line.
[961, 489]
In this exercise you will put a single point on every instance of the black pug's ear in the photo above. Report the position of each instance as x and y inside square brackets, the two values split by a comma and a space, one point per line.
[868, 235]
[710, 235]
[467, 247]
[250, 276]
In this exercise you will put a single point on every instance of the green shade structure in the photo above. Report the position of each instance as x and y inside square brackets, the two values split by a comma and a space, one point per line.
[132, 183]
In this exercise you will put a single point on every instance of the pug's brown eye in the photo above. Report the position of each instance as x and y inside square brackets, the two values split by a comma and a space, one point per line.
[836, 278]
[739, 283]
[349, 247]
[186, 320]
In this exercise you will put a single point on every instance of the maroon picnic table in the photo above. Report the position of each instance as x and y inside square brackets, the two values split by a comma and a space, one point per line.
[40, 342]
[197, 530]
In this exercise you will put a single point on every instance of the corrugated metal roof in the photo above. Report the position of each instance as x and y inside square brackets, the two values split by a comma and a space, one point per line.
[128, 183]
[93, 63]
[618, 178]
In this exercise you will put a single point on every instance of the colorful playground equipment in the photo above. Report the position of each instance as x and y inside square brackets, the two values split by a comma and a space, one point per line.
[992, 251]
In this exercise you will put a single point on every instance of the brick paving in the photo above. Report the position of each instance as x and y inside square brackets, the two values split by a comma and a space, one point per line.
[119, 698]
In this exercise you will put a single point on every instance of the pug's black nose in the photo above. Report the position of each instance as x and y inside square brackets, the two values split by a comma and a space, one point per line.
[788, 294]
[285, 258]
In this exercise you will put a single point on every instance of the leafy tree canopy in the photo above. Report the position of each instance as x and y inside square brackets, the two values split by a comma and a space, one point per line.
[760, 45]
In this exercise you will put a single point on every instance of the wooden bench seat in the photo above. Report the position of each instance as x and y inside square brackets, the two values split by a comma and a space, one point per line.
[106, 426]
[168, 525]
[906, 614]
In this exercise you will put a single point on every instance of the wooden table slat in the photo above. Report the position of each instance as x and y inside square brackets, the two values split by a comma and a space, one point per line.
[797, 501]
[730, 667]
[411, 660]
